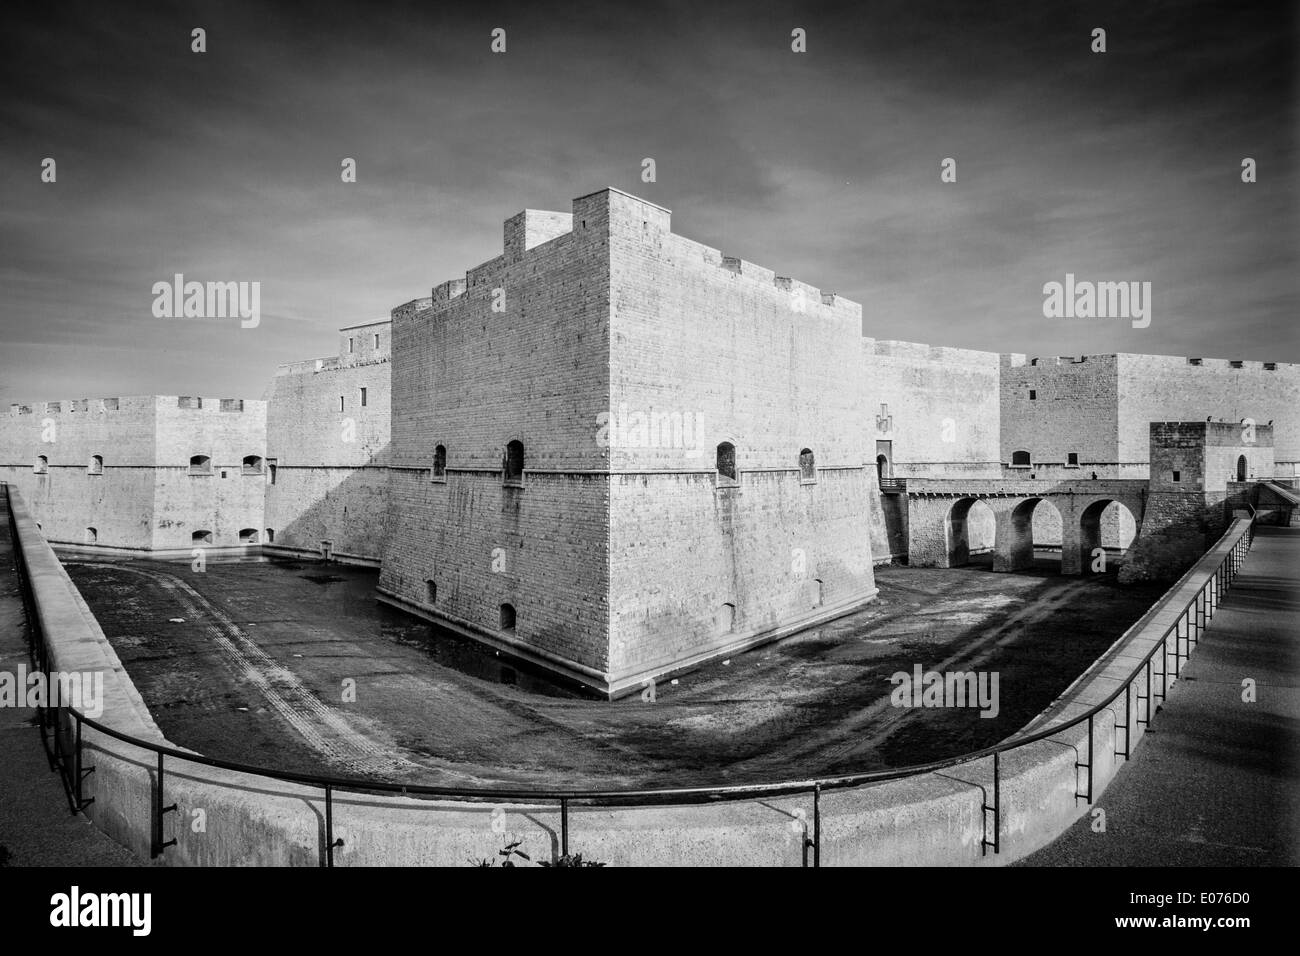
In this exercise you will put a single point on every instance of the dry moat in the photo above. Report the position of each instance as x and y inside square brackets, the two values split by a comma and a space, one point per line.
[252, 660]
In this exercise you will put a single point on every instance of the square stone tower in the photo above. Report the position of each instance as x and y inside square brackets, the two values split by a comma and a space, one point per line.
[1194, 468]
[618, 453]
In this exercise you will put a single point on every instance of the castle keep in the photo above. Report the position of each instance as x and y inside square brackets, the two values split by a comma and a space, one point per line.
[617, 452]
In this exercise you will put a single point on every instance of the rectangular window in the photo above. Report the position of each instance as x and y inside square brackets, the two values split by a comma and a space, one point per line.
[376, 340]
[350, 344]
[363, 398]
[1072, 459]
[340, 403]
[1178, 476]
[1033, 395]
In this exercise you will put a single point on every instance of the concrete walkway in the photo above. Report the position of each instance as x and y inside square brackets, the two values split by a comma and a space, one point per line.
[37, 827]
[1216, 781]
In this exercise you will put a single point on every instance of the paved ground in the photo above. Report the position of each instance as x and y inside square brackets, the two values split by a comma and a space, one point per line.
[37, 827]
[1216, 781]
[248, 660]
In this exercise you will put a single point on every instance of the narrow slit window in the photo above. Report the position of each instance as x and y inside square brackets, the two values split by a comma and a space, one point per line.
[726, 461]
[807, 466]
[513, 469]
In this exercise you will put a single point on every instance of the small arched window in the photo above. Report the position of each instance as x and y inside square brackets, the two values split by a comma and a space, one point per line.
[200, 465]
[439, 462]
[1020, 459]
[248, 536]
[513, 466]
[508, 617]
[201, 537]
[96, 466]
[1241, 467]
[807, 466]
[41, 465]
[270, 535]
[726, 461]
[92, 535]
[252, 465]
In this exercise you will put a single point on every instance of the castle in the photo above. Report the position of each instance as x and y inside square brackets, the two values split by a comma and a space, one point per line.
[617, 453]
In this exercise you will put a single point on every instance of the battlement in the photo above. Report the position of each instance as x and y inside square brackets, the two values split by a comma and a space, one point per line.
[415, 306]
[85, 406]
[1020, 359]
[922, 352]
[197, 403]
[531, 228]
[617, 213]
[79, 405]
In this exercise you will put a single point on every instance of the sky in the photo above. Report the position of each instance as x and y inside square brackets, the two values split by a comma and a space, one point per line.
[823, 165]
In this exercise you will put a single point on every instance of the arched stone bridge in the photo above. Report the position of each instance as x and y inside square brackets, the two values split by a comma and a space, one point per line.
[938, 508]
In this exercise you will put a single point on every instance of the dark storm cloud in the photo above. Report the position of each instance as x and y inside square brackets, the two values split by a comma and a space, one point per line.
[824, 166]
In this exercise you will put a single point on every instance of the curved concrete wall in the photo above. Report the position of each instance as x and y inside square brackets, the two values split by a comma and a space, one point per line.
[932, 819]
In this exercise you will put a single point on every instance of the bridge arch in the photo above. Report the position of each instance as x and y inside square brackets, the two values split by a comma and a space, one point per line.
[1015, 535]
[969, 527]
[1108, 524]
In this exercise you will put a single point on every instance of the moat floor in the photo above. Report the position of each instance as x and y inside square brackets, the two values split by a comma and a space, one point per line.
[252, 661]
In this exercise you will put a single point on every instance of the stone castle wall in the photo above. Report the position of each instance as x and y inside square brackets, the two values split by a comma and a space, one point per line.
[328, 434]
[141, 495]
[1057, 406]
[931, 411]
[699, 563]
[1162, 388]
[472, 380]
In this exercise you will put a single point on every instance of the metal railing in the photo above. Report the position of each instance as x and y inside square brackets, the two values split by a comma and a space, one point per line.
[1186, 630]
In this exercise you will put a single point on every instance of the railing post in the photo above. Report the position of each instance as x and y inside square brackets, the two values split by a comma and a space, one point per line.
[564, 826]
[77, 764]
[997, 802]
[817, 826]
[159, 844]
[329, 826]
[1147, 721]
[1128, 721]
[1087, 795]
[1164, 668]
